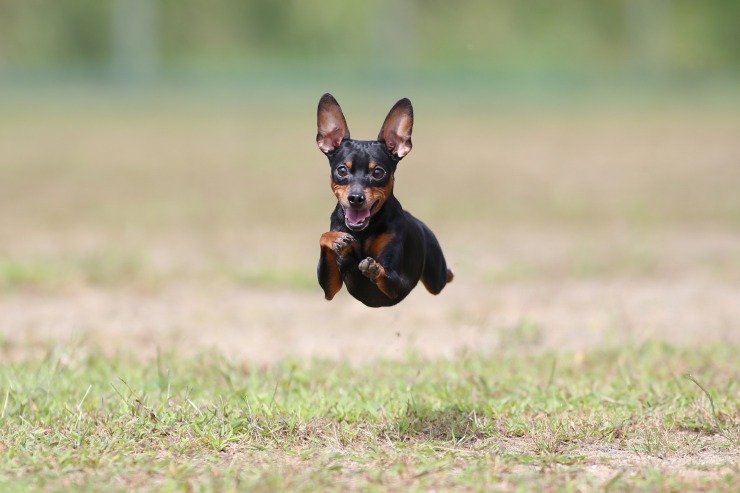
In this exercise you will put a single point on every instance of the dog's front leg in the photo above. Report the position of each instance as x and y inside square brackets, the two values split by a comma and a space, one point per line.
[388, 281]
[335, 247]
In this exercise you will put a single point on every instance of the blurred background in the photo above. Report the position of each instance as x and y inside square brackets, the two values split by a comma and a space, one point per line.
[146, 144]
[504, 46]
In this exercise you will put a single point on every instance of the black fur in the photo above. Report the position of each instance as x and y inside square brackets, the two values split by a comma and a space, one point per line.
[381, 250]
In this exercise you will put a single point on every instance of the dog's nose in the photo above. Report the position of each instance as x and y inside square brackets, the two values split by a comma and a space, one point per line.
[356, 199]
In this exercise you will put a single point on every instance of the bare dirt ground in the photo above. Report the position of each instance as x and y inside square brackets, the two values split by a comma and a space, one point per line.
[477, 312]
[268, 325]
[140, 228]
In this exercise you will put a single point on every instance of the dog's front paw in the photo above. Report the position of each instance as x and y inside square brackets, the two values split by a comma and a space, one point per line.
[343, 243]
[370, 268]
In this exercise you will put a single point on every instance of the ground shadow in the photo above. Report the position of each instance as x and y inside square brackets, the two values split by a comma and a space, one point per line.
[450, 423]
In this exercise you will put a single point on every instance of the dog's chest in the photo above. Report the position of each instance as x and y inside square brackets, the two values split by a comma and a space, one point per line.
[376, 245]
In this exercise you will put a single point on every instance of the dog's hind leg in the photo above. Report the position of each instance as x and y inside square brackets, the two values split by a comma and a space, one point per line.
[435, 274]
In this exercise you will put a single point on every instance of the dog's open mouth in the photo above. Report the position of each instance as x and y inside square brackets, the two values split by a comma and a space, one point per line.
[358, 219]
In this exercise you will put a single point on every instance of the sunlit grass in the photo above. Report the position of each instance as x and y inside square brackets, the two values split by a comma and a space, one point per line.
[75, 419]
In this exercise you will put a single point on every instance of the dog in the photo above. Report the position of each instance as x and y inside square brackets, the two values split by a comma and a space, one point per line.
[374, 247]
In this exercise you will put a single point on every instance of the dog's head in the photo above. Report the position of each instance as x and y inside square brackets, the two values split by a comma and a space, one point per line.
[362, 170]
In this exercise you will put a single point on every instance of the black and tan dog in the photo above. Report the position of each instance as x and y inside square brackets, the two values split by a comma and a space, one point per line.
[376, 248]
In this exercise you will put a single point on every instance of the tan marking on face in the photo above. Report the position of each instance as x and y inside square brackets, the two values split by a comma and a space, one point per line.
[341, 191]
[379, 194]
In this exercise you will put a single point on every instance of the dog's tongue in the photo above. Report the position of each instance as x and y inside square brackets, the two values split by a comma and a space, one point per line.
[356, 216]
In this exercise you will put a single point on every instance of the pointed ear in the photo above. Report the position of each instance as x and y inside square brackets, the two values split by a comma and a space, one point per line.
[396, 130]
[332, 128]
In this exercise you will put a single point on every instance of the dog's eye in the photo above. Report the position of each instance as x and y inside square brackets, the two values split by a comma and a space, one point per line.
[378, 173]
[342, 171]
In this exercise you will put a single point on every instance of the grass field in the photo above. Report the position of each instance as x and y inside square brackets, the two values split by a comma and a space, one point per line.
[161, 327]
[626, 419]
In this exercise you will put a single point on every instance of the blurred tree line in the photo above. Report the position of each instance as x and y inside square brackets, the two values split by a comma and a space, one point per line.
[140, 38]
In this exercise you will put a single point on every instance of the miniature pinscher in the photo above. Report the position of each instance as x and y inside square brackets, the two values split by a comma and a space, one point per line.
[375, 247]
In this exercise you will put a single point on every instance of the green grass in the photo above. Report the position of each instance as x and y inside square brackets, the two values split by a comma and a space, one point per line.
[76, 419]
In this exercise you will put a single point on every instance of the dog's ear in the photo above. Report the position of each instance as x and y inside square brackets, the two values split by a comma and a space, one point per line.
[396, 129]
[332, 127]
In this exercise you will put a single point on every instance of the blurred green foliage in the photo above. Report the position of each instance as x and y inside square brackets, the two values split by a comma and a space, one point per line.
[677, 37]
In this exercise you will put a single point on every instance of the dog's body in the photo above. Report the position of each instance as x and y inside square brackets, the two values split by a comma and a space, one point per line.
[375, 247]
